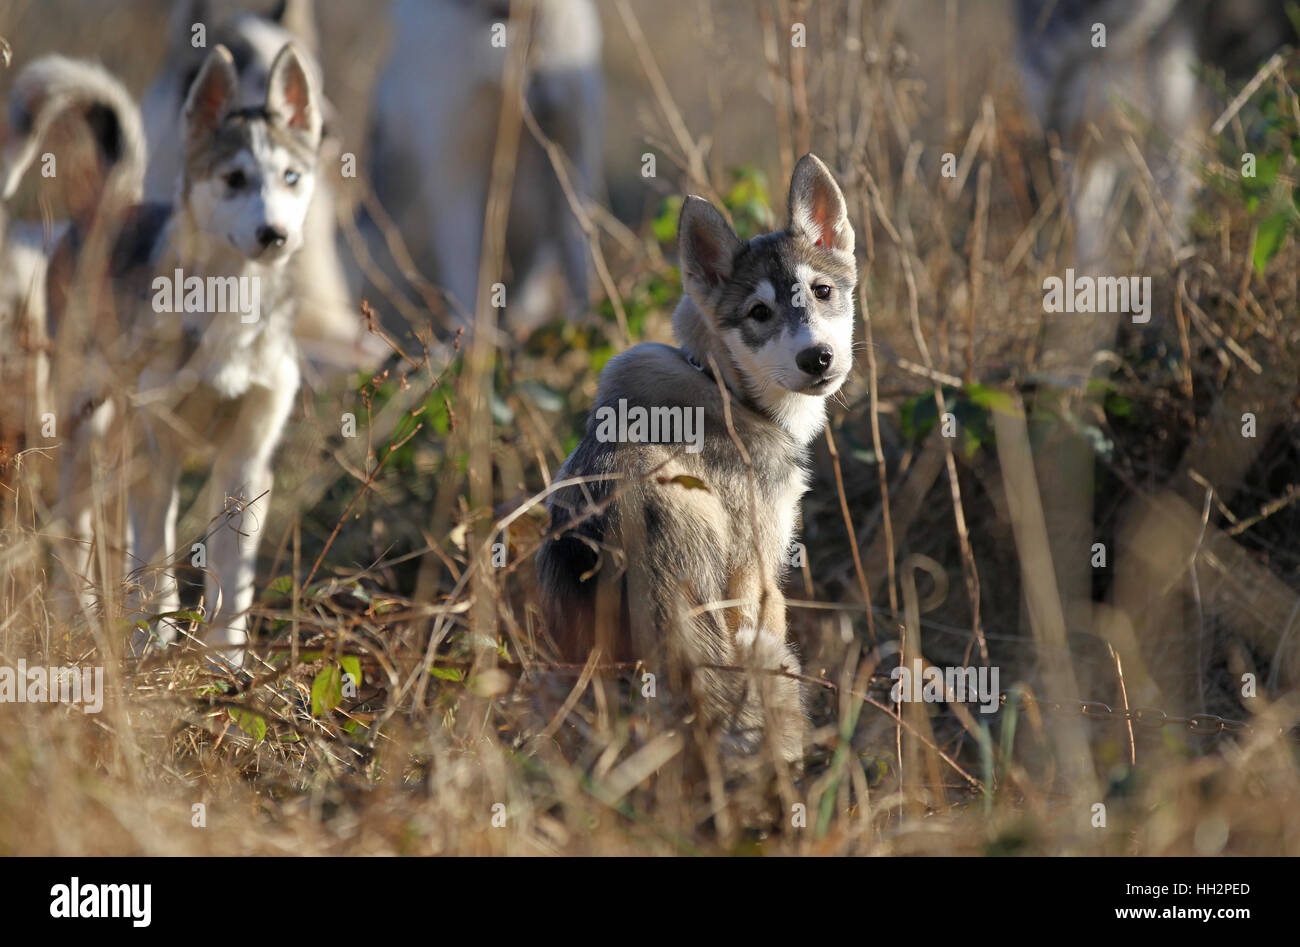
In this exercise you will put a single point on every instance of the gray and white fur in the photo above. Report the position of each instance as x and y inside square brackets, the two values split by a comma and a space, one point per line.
[649, 566]
[329, 327]
[43, 91]
[1149, 63]
[199, 378]
[432, 174]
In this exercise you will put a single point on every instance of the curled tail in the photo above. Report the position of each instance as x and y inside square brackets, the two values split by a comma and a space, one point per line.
[51, 85]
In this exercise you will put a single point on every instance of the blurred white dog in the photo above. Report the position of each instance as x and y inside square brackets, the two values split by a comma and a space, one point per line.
[1152, 50]
[434, 128]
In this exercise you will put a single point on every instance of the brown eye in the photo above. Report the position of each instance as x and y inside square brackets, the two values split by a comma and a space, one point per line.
[760, 313]
[236, 180]
[822, 291]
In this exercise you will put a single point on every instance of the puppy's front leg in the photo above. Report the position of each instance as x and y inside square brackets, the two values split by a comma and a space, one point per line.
[243, 479]
[245, 490]
[775, 698]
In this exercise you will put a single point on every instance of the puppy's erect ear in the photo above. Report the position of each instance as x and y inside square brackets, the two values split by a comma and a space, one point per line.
[817, 209]
[707, 246]
[212, 95]
[289, 94]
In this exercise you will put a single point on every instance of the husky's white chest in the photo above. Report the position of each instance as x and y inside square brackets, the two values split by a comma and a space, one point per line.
[230, 331]
[230, 357]
[786, 497]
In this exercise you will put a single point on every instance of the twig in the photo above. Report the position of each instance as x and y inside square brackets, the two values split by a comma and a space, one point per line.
[853, 535]
[1244, 95]
[370, 479]
[1268, 509]
[882, 474]
[672, 115]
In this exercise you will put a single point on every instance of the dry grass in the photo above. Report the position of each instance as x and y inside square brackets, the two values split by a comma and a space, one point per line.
[380, 548]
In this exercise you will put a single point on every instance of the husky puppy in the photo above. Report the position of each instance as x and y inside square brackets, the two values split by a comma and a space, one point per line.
[328, 326]
[186, 372]
[434, 129]
[675, 552]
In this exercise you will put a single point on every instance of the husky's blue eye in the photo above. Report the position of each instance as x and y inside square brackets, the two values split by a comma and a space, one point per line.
[822, 291]
[760, 312]
[291, 177]
[236, 180]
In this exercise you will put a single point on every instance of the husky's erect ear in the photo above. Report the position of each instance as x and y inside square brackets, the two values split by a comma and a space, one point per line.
[817, 208]
[289, 93]
[707, 246]
[213, 93]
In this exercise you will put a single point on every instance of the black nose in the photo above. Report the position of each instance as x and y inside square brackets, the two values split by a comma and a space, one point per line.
[271, 236]
[815, 359]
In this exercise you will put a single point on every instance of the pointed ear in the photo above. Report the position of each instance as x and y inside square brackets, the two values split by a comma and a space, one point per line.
[289, 94]
[212, 94]
[817, 208]
[707, 246]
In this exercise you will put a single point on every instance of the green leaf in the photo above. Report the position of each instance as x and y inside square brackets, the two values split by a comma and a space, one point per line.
[1269, 239]
[598, 357]
[447, 674]
[990, 399]
[327, 690]
[916, 416]
[281, 587]
[251, 723]
[1118, 406]
[665, 225]
[436, 411]
[1267, 168]
[352, 665]
[747, 200]
[184, 615]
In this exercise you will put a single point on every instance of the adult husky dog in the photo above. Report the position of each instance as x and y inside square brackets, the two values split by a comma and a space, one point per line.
[434, 130]
[181, 328]
[682, 547]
